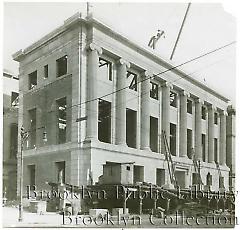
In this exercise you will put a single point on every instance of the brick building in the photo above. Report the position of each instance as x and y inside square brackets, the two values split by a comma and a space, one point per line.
[100, 98]
[10, 132]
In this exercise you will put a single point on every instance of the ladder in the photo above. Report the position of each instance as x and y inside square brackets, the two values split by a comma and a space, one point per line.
[197, 168]
[168, 158]
[218, 168]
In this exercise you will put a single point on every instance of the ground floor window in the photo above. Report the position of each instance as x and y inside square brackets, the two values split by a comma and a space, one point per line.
[60, 171]
[138, 173]
[32, 175]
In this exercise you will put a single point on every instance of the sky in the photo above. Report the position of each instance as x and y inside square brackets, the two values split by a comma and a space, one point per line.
[207, 27]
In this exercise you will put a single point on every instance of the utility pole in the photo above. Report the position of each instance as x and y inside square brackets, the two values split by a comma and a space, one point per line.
[24, 136]
[180, 31]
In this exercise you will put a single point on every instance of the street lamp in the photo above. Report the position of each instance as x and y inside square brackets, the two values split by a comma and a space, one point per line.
[24, 136]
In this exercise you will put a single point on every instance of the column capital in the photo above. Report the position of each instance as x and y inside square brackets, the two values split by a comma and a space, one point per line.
[147, 73]
[199, 100]
[167, 84]
[184, 93]
[93, 46]
[122, 61]
[223, 113]
[212, 107]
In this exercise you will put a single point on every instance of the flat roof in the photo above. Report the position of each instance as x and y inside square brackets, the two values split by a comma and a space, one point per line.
[77, 18]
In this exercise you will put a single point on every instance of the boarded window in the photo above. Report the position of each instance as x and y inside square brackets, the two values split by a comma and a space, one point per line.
[154, 90]
[104, 121]
[173, 138]
[138, 173]
[154, 134]
[160, 177]
[32, 132]
[173, 99]
[62, 66]
[32, 80]
[189, 106]
[132, 80]
[131, 127]
[62, 119]
[105, 69]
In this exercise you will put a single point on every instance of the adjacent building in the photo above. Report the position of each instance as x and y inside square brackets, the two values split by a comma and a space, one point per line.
[102, 98]
[10, 134]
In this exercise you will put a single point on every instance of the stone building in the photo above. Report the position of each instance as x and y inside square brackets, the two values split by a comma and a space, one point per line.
[10, 132]
[100, 97]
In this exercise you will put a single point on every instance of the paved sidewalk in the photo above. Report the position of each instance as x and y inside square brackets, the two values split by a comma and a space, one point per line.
[10, 218]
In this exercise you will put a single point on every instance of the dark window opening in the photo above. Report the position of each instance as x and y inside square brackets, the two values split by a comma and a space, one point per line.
[14, 99]
[154, 90]
[221, 182]
[204, 147]
[132, 77]
[209, 179]
[104, 121]
[173, 139]
[62, 119]
[131, 129]
[216, 150]
[32, 175]
[13, 141]
[173, 99]
[46, 71]
[204, 113]
[154, 134]
[60, 171]
[160, 177]
[138, 173]
[32, 132]
[195, 177]
[62, 66]
[215, 118]
[32, 80]
[189, 106]
[189, 143]
[105, 68]
[128, 168]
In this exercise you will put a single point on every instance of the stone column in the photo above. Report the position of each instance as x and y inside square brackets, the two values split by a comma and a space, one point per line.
[223, 137]
[198, 129]
[183, 124]
[92, 105]
[121, 102]
[166, 112]
[145, 111]
[211, 110]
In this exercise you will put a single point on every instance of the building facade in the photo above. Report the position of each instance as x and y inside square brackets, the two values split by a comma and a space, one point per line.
[10, 134]
[100, 97]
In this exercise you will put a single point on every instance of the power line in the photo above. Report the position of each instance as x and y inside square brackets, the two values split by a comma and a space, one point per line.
[149, 78]
[155, 75]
